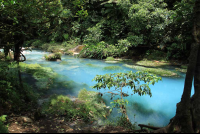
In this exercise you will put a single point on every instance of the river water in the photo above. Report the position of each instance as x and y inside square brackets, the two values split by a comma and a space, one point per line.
[156, 110]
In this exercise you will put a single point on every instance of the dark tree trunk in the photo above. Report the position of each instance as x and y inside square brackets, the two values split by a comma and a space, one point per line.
[187, 118]
[18, 47]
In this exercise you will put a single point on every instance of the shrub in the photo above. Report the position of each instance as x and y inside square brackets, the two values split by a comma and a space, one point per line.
[62, 105]
[95, 103]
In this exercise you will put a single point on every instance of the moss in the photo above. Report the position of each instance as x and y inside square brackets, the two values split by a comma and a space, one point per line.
[151, 63]
[53, 57]
[112, 68]
[63, 63]
[110, 59]
[91, 65]
[72, 67]
[157, 71]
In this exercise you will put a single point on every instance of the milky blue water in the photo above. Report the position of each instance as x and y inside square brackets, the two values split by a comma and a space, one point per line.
[156, 110]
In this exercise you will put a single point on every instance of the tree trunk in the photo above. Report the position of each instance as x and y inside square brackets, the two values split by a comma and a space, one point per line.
[187, 118]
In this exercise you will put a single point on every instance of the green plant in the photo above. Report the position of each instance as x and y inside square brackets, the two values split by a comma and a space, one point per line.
[110, 59]
[120, 80]
[3, 128]
[60, 105]
[95, 103]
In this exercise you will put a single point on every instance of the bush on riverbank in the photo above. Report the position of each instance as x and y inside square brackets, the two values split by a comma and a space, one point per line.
[89, 106]
[61, 105]
[94, 102]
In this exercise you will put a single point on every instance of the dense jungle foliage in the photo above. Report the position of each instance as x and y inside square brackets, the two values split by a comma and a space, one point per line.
[107, 28]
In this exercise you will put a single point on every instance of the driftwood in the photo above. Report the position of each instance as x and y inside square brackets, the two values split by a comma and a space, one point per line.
[147, 126]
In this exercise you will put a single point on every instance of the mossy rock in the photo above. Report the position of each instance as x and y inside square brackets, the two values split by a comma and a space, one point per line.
[53, 57]
[110, 59]
[157, 71]
[112, 68]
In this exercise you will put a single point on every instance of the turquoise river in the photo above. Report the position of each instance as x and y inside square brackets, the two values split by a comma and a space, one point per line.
[156, 110]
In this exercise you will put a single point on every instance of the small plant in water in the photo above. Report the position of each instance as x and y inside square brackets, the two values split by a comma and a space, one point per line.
[120, 80]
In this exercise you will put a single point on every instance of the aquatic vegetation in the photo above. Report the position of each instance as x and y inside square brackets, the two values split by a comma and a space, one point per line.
[91, 65]
[152, 63]
[63, 63]
[110, 59]
[72, 67]
[53, 57]
[112, 68]
[157, 71]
